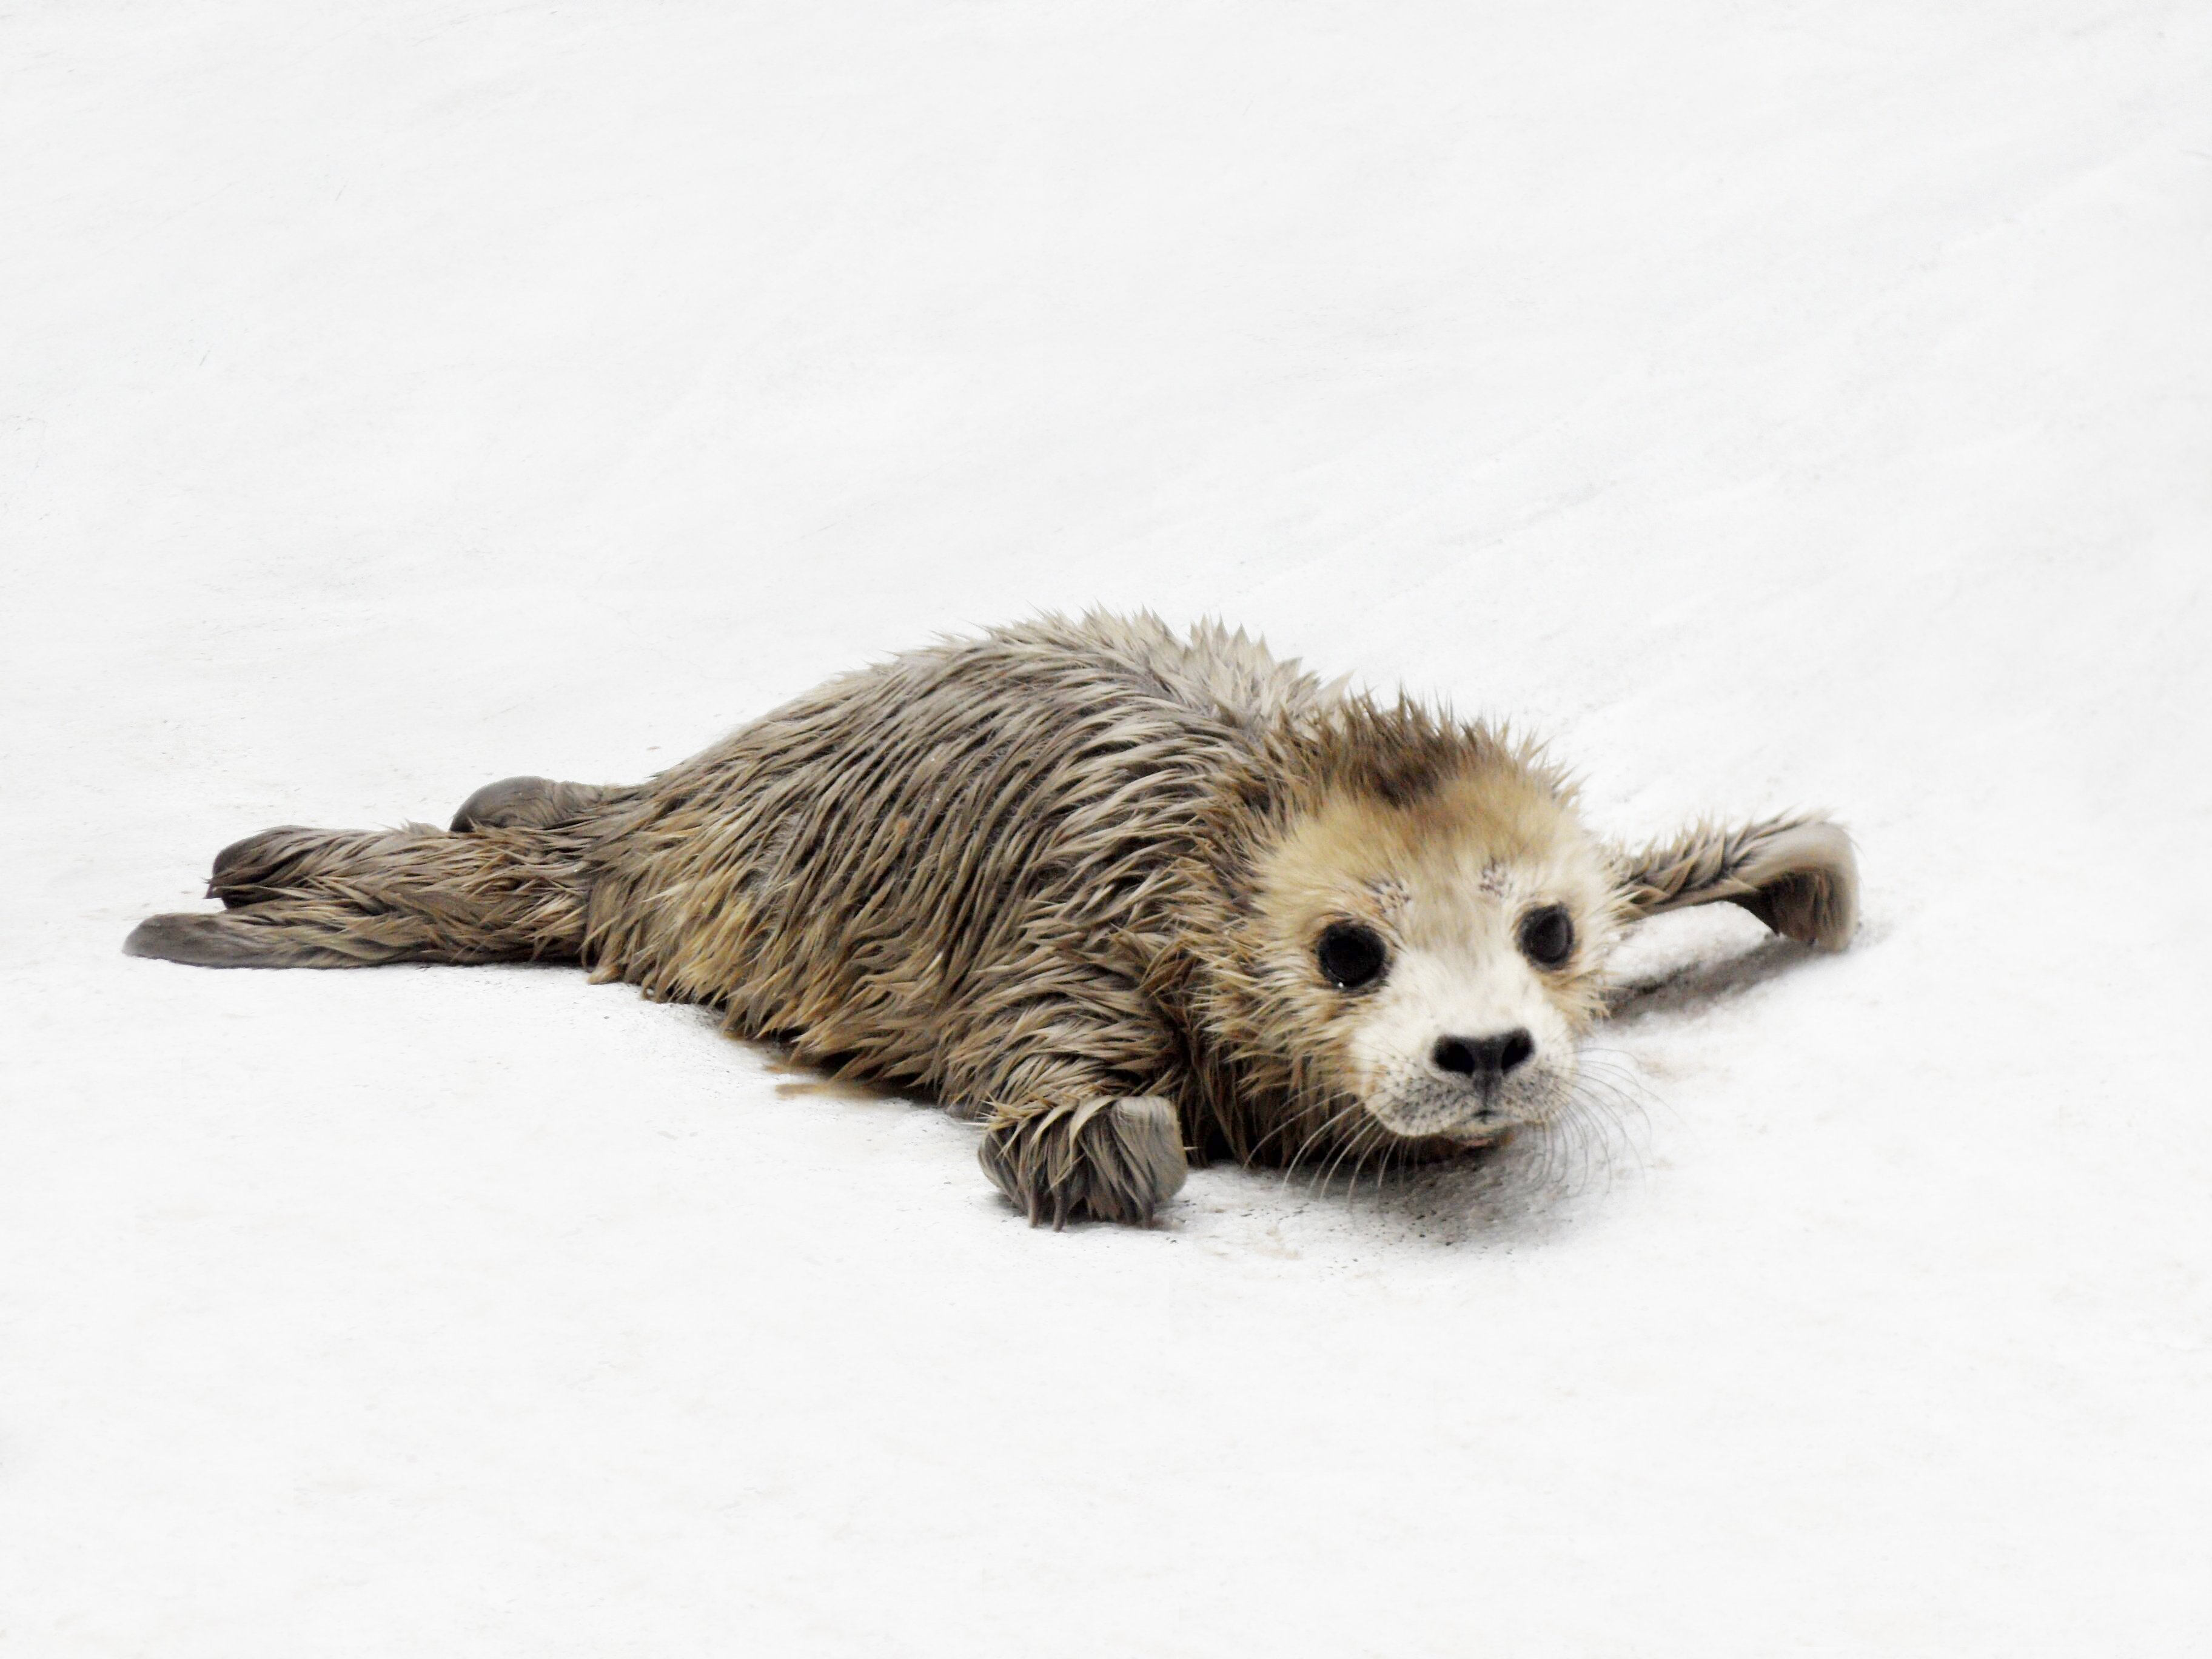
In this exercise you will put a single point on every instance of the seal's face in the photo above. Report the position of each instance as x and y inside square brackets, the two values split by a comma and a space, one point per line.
[1435, 960]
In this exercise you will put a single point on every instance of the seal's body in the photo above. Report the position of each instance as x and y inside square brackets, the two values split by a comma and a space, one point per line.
[1131, 897]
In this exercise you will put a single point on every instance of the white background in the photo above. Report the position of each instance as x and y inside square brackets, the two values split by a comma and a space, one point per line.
[1787, 404]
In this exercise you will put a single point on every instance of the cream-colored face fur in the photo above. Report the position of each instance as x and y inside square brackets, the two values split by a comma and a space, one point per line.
[1463, 1033]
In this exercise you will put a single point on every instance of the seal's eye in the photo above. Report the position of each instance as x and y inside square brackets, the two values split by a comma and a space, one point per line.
[1547, 936]
[1350, 955]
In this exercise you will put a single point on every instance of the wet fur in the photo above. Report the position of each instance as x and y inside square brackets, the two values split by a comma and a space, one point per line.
[1058, 878]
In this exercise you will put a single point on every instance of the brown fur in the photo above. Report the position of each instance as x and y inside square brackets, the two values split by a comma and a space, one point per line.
[1065, 877]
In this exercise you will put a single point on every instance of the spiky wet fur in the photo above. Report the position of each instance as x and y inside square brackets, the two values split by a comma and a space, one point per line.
[1063, 877]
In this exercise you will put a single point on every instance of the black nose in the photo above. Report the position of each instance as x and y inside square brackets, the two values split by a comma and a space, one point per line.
[1483, 1059]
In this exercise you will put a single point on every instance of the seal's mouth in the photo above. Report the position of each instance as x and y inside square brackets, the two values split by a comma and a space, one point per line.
[1414, 1099]
[1415, 1104]
[1460, 1120]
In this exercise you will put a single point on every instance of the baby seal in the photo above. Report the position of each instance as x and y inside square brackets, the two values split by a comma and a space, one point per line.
[1130, 898]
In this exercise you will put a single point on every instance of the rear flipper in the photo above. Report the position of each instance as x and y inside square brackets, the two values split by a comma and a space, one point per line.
[284, 933]
[527, 804]
[348, 898]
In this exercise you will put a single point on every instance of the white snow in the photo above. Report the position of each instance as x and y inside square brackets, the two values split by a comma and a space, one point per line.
[1806, 404]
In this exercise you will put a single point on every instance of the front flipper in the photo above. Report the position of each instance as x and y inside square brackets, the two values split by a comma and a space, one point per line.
[1798, 874]
[1102, 1158]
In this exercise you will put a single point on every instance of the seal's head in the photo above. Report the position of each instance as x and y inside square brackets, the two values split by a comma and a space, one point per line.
[1434, 956]
[1419, 925]
[1413, 924]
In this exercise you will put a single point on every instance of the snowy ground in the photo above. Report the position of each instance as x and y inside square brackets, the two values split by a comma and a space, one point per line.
[1791, 404]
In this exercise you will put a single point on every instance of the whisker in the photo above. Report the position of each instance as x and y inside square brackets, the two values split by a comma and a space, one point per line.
[1352, 1192]
[1329, 1173]
[1291, 1165]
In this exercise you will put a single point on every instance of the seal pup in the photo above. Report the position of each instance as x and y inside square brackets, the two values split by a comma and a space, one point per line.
[1132, 899]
